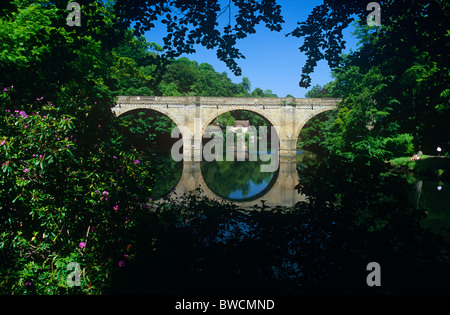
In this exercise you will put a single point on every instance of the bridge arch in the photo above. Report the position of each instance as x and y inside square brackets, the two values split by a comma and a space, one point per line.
[125, 110]
[209, 117]
[308, 118]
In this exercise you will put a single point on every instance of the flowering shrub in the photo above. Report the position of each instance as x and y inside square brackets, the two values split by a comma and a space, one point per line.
[66, 195]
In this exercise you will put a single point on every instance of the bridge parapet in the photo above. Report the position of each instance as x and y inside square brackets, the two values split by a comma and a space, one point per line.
[227, 101]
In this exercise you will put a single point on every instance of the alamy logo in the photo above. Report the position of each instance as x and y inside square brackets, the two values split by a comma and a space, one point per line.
[74, 17]
[374, 277]
[374, 17]
[73, 279]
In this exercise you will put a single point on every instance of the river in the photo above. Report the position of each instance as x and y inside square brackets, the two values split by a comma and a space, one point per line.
[243, 182]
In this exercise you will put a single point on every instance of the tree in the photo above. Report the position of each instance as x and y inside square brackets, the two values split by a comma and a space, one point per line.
[202, 17]
[69, 185]
[185, 77]
[318, 91]
[268, 93]
[246, 84]
[393, 94]
[139, 66]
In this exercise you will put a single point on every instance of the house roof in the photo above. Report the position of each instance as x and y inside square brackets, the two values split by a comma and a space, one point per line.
[242, 123]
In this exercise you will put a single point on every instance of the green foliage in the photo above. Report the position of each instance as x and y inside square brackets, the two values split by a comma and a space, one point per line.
[202, 19]
[427, 166]
[140, 130]
[185, 77]
[75, 184]
[312, 134]
[318, 91]
[225, 120]
[70, 189]
[394, 99]
[53, 198]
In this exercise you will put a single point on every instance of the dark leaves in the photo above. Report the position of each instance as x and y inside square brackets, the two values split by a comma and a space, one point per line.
[197, 22]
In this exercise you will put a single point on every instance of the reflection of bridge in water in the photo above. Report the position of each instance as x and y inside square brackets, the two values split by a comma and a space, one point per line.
[280, 192]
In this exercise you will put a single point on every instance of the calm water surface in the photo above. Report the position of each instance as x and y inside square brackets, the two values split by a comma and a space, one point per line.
[243, 181]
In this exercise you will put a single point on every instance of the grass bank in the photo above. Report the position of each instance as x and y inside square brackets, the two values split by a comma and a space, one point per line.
[427, 166]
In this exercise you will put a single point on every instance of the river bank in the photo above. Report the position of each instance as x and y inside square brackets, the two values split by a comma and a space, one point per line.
[428, 166]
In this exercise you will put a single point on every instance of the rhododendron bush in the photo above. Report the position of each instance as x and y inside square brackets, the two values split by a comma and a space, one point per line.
[64, 197]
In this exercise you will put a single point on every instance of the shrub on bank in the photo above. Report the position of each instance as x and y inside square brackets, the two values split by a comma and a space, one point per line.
[64, 198]
[428, 166]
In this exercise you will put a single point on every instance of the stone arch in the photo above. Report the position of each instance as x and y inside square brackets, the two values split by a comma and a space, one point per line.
[142, 109]
[126, 109]
[210, 116]
[308, 117]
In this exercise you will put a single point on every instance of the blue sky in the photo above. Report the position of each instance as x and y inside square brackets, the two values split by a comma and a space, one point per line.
[273, 61]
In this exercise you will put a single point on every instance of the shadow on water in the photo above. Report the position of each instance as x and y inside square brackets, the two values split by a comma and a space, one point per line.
[433, 195]
[194, 245]
[167, 174]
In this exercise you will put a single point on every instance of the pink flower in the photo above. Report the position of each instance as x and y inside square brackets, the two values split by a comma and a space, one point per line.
[137, 162]
[82, 245]
[105, 193]
[26, 170]
[116, 207]
[3, 142]
[121, 263]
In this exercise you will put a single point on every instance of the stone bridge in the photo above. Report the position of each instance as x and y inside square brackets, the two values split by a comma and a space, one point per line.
[287, 115]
